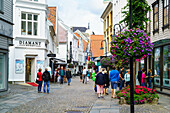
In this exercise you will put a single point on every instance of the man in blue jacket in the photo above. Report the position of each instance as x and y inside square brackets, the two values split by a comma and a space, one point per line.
[114, 78]
[62, 74]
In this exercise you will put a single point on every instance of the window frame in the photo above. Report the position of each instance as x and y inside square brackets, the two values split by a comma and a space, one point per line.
[153, 6]
[26, 20]
[148, 16]
[167, 25]
[2, 6]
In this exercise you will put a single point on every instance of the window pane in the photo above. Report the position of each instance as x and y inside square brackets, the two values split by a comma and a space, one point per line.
[2, 71]
[23, 16]
[157, 66]
[35, 28]
[166, 65]
[29, 28]
[1, 5]
[35, 0]
[35, 17]
[156, 8]
[23, 28]
[29, 16]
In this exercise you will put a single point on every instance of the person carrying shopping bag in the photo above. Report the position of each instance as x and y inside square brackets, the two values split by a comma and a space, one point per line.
[100, 82]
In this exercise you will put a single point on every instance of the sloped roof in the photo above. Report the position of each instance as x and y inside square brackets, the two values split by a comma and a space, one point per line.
[52, 16]
[82, 29]
[96, 44]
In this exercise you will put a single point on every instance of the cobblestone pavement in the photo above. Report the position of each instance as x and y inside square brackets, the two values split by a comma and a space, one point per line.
[77, 98]
[62, 98]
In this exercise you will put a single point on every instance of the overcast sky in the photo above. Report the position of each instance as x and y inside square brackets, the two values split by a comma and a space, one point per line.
[80, 12]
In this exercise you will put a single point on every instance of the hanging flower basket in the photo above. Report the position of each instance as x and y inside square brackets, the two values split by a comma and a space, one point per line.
[134, 42]
[91, 64]
[107, 61]
[70, 65]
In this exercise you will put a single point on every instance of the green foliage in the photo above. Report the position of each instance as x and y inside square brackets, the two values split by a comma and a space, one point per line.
[139, 10]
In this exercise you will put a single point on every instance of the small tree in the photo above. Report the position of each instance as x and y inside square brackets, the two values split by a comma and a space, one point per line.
[140, 9]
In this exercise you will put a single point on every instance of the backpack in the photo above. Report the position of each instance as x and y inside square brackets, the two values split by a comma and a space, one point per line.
[45, 76]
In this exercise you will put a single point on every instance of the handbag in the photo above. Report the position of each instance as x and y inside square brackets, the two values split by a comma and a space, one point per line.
[37, 80]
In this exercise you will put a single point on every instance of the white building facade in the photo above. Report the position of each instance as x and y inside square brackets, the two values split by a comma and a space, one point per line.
[30, 49]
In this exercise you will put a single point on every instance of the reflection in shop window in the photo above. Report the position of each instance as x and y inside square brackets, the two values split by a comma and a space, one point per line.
[157, 66]
[166, 65]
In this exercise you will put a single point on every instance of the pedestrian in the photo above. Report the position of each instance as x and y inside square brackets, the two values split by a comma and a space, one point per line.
[56, 75]
[84, 75]
[39, 76]
[68, 76]
[143, 79]
[122, 73]
[114, 78]
[140, 76]
[127, 77]
[81, 75]
[62, 74]
[100, 82]
[150, 78]
[46, 79]
[106, 82]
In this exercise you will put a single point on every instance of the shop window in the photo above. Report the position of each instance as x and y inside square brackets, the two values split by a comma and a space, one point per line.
[157, 66]
[166, 65]
[165, 13]
[155, 17]
[29, 24]
[2, 72]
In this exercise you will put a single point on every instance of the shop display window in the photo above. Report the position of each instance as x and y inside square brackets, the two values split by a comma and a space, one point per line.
[2, 72]
[166, 66]
[157, 66]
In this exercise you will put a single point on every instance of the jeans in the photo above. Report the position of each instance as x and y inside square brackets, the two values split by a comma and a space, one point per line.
[61, 79]
[127, 83]
[85, 79]
[150, 84]
[39, 85]
[46, 83]
[68, 80]
[121, 84]
[143, 84]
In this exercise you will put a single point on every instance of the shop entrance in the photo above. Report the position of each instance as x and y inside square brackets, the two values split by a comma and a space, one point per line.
[30, 70]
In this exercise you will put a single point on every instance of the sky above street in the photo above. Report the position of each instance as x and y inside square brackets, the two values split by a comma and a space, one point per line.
[80, 12]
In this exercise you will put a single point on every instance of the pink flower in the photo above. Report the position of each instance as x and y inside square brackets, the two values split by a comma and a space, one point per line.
[130, 47]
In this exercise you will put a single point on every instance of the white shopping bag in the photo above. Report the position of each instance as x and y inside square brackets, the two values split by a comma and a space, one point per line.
[87, 79]
[58, 79]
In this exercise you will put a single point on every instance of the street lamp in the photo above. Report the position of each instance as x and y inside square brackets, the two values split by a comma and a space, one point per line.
[114, 29]
[102, 46]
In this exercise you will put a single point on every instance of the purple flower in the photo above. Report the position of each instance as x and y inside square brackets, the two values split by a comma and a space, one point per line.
[142, 50]
[137, 48]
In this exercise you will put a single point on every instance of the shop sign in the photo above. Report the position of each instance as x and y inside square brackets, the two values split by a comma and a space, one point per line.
[29, 43]
[51, 55]
[19, 66]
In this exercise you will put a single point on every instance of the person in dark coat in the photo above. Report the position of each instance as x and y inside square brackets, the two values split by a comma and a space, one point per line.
[62, 74]
[107, 82]
[140, 76]
[46, 79]
[100, 82]
[68, 76]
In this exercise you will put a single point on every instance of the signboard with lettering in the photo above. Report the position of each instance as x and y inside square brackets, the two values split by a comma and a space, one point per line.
[29, 43]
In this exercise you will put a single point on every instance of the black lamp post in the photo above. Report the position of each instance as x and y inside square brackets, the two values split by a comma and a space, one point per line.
[131, 67]
[102, 46]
